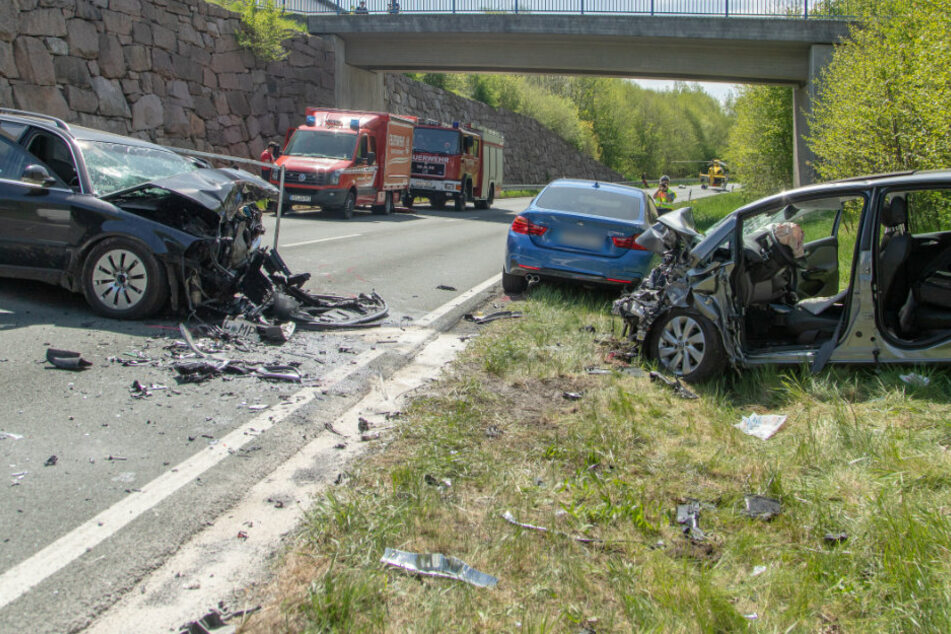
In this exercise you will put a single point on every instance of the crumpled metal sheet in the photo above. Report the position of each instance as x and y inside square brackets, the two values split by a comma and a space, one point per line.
[438, 565]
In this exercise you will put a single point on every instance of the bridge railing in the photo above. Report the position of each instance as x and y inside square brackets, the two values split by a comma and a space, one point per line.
[797, 9]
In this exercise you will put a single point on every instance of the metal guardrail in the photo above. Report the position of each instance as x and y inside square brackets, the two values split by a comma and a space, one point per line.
[794, 9]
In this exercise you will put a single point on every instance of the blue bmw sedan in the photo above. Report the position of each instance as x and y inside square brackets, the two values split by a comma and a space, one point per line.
[580, 230]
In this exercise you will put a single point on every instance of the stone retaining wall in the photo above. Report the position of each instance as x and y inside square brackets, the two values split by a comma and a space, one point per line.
[168, 71]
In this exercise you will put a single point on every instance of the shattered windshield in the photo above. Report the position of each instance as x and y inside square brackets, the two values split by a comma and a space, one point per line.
[115, 166]
[436, 141]
[321, 144]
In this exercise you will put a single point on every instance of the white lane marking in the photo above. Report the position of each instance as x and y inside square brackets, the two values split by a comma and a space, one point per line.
[217, 562]
[19, 579]
[300, 244]
[429, 319]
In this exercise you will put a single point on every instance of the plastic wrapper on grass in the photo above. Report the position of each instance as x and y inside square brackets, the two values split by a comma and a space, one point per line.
[438, 565]
[762, 426]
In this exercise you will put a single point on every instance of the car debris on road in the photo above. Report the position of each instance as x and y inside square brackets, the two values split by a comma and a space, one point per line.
[438, 565]
[67, 360]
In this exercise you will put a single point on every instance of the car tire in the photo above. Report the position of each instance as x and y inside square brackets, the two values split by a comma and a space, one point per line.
[407, 200]
[348, 205]
[514, 284]
[459, 202]
[487, 203]
[387, 207]
[121, 279]
[685, 343]
[438, 201]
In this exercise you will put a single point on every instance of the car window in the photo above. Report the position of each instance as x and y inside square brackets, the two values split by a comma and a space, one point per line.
[13, 129]
[320, 144]
[929, 211]
[14, 161]
[114, 166]
[588, 200]
[54, 152]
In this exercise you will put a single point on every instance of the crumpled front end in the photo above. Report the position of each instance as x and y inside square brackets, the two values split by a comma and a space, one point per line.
[665, 287]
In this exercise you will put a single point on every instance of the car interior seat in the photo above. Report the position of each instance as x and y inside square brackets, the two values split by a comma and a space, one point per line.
[893, 258]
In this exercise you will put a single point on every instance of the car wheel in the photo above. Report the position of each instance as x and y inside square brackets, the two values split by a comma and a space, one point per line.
[513, 284]
[487, 203]
[123, 280]
[686, 344]
[347, 209]
[387, 207]
[438, 201]
[407, 200]
[459, 202]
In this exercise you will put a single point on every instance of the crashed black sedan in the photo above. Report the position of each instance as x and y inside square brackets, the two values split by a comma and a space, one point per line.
[128, 223]
[854, 271]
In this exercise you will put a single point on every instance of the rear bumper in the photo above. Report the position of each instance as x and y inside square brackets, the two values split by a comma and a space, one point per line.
[522, 257]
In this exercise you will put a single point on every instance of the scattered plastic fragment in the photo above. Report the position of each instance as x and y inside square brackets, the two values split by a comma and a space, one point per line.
[436, 482]
[761, 507]
[51, 461]
[257, 407]
[10, 435]
[915, 379]
[444, 287]
[688, 516]
[752, 616]
[278, 333]
[242, 534]
[598, 371]
[438, 565]
[215, 622]
[508, 517]
[484, 319]
[762, 426]
[674, 384]
[758, 570]
[572, 396]
[66, 360]
[836, 537]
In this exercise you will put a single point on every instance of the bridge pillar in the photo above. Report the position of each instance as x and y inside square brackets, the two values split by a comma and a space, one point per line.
[803, 97]
[354, 87]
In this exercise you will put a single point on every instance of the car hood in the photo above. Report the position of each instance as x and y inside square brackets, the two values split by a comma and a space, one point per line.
[223, 191]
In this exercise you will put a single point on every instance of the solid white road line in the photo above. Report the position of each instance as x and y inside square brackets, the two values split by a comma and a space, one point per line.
[300, 244]
[19, 579]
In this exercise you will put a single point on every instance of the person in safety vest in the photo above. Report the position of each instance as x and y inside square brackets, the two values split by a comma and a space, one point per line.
[664, 195]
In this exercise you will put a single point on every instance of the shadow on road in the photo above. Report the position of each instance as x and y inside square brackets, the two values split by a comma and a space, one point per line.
[26, 303]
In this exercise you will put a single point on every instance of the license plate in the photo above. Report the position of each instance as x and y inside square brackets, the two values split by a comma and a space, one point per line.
[582, 240]
[298, 198]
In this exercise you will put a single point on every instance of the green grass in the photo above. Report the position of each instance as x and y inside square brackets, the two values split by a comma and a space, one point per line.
[861, 452]
[707, 211]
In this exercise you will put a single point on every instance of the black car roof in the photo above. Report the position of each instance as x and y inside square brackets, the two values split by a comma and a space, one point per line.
[77, 132]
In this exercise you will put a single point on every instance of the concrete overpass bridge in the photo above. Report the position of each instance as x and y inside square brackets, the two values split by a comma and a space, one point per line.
[710, 47]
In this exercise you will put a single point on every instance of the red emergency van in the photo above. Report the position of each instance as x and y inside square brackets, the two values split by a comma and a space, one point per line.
[341, 159]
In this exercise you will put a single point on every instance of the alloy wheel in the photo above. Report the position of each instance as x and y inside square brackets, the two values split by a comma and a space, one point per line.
[681, 345]
[120, 279]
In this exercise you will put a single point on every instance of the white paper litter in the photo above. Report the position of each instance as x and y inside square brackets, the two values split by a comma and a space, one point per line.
[915, 379]
[761, 425]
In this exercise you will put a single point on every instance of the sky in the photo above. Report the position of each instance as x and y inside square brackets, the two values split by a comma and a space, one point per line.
[719, 91]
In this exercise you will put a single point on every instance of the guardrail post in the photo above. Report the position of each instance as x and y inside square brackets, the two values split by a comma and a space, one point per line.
[652, 7]
[805, 9]
[516, 7]
[453, 6]
[280, 209]
[727, 8]
[582, 7]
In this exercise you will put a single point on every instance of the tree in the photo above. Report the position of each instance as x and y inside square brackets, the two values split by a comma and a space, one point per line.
[264, 27]
[884, 103]
[760, 149]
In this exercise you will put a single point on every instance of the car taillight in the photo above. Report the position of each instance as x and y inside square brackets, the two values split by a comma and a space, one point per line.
[521, 224]
[627, 242]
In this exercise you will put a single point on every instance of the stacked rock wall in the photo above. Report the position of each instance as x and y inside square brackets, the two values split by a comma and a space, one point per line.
[169, 71]
[533, 153]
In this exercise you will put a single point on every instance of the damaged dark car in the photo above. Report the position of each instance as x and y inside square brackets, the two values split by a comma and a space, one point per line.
[135, 227]
[854, 271]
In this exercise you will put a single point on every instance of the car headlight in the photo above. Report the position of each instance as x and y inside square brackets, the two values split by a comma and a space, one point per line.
[334, 177]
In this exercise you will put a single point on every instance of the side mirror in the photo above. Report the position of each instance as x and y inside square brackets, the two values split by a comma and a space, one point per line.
[371, 158]
[35, 174]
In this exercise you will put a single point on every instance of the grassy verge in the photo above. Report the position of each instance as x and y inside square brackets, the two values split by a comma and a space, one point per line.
[861, 454]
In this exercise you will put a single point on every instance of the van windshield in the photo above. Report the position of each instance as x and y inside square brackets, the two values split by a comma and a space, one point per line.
[322, 144]
[436, 141]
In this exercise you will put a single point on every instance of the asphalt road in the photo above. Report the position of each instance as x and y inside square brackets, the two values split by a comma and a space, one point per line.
[133, 478]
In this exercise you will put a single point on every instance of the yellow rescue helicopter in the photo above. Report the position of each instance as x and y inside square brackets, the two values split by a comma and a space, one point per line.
[716, 176]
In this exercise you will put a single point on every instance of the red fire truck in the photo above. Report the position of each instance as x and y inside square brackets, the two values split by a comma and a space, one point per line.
[340, 159]
[458, 162]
